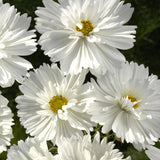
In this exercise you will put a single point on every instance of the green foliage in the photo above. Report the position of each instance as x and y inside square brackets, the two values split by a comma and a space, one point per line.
[135, 155]
[146, 51]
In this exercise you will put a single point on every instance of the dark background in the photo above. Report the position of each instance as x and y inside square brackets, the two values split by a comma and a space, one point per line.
[146, 51]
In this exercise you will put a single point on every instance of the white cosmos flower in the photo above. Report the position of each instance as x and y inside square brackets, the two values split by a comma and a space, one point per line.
[153, 153]
[85, 33]
[53, 104]
[15, 41]
[128, 102]
[81, 148]
[5, 124]
[31, 149]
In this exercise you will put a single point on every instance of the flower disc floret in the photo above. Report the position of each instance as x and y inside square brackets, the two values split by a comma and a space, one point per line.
[57, 102]
[85, 27]
[132, 99]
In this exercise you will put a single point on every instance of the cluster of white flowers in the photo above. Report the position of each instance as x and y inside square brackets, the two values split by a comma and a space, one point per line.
[74, 148]
[57, 104]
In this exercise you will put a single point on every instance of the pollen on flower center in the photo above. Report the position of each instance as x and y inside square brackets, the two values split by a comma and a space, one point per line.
[57, 102]
[86, 27]
[132, 99]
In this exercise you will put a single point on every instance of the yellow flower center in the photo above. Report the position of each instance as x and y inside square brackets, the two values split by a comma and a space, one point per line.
[132, 99]
[87, 27]
[57, 102]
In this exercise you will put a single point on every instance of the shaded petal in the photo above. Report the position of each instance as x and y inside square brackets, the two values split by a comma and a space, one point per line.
[118, 37]
[6, 79]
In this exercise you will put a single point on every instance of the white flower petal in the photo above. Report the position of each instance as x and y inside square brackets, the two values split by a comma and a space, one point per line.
[153, 153]
[31, 149]
[87, 33]
[15, 41]
[6, 122]
[119, 37]
[126, 100]
[42, 119]
[81, 148]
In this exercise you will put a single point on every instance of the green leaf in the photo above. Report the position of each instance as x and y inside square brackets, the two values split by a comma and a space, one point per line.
[135, 154]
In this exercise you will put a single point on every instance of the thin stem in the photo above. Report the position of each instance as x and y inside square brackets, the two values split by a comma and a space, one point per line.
[53, 148]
